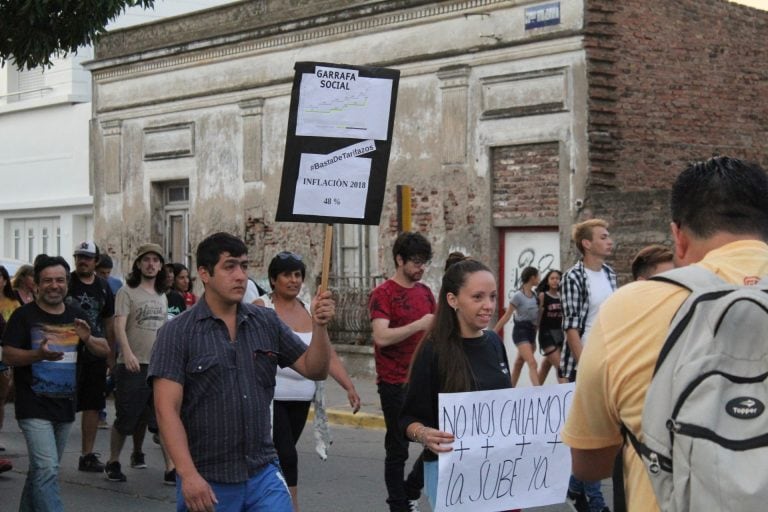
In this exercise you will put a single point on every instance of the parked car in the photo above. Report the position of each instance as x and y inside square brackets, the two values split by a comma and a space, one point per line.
[12, 265]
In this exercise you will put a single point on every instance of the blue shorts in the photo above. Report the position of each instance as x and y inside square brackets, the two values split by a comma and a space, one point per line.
[266, 491]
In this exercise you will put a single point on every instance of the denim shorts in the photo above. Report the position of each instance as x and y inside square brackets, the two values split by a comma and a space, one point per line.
[524, 332]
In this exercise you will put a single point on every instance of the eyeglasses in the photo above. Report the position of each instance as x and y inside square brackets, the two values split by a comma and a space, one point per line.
[420, 262]
[287, 255]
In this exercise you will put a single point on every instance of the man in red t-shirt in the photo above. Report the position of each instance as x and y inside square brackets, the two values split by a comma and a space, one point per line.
[401, 310]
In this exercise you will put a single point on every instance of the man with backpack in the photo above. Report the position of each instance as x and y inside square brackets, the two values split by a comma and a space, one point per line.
[695, 378]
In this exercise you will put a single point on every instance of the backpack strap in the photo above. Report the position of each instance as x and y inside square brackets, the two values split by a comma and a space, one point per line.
[657, 461]
[693, 277]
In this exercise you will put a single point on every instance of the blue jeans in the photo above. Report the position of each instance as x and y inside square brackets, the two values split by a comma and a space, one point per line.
[591, 490]
[45, 445]
[266, 491]
[430, 481]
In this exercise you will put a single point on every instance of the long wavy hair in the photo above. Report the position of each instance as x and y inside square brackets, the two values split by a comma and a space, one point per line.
[445, 334]
[7, 288]
[134, 278]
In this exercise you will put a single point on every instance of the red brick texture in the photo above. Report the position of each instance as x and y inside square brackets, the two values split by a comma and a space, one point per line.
[525, 181]
[669, 83]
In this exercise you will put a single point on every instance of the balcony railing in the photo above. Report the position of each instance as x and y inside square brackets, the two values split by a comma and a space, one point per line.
[352, 325]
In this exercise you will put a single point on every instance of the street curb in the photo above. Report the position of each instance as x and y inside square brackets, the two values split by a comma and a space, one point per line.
[346, 418]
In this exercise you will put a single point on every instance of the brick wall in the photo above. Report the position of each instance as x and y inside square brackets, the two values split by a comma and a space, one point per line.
[669, 83]
[525, 181]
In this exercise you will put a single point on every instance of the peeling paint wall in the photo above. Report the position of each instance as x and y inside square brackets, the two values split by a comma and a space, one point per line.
[472, 79]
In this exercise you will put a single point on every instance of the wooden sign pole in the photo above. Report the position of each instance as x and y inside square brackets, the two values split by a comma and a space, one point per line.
[327, 248]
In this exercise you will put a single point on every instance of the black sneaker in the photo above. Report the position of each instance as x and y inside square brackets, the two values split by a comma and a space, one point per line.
[113, 473]
[91, 463]
[137, 461]
[578, 501]
[170, 477]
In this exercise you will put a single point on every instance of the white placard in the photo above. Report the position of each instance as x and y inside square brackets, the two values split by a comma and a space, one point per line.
[338, 102]
[507, 451]
[334, 185]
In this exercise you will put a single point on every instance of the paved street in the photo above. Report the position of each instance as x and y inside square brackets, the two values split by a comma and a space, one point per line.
[350, 480]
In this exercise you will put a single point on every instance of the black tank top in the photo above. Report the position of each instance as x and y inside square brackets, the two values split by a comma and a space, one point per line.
[553, 313]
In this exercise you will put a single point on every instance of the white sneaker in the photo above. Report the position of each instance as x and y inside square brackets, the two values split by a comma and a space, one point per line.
[413, 505]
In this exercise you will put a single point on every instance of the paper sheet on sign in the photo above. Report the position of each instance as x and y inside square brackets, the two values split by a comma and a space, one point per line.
[508, 453]
[337, 102]
[334, 185]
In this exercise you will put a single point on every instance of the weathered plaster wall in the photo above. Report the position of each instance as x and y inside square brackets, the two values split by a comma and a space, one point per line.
[472, 80]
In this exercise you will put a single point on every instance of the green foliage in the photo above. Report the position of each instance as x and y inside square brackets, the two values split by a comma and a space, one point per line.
[35, 30]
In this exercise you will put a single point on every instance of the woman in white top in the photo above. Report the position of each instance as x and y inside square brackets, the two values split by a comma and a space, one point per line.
[294, 393]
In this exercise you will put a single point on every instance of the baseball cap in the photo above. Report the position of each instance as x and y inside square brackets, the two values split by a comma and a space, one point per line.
[87, 248]
[147, 248]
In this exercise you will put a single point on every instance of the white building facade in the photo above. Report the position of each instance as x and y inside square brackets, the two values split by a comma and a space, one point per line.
[46, 200]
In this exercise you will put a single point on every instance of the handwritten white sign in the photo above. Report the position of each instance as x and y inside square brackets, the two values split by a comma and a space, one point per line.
[507, 451]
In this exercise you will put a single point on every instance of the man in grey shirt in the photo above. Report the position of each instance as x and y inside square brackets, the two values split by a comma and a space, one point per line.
[213, 372]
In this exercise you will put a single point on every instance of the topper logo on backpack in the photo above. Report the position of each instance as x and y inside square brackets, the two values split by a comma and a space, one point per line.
[744, 408]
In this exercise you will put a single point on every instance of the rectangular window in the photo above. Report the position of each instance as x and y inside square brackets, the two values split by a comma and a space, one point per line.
[31, 242]
[175, 197]
[32, 236]
[17, 244]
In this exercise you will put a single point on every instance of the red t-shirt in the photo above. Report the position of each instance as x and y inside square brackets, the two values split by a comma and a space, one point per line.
[400, 306]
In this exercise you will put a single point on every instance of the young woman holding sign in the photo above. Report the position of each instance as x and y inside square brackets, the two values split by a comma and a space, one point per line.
[457, 354]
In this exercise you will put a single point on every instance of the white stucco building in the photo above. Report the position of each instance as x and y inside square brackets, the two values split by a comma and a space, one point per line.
[46, 185]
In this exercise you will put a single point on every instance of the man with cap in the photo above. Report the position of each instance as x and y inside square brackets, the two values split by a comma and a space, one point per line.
[91, 294]
[141, 309]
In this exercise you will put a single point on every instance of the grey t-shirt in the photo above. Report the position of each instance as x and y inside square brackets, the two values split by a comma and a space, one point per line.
[145, 313]
[526, 308]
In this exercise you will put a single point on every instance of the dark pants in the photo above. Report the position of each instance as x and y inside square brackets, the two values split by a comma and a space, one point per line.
[399, 490]
[288, 422]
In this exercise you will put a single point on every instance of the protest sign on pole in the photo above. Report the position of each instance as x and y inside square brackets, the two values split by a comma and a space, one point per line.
[507, 451]
[337, 148]
[339, 138]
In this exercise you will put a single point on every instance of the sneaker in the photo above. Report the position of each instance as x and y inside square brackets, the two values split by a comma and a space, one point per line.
[413, 505]
[578, 501]
[113, 473]
[137, 461]
[91, 463]
[5, 465]
[170, 477]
